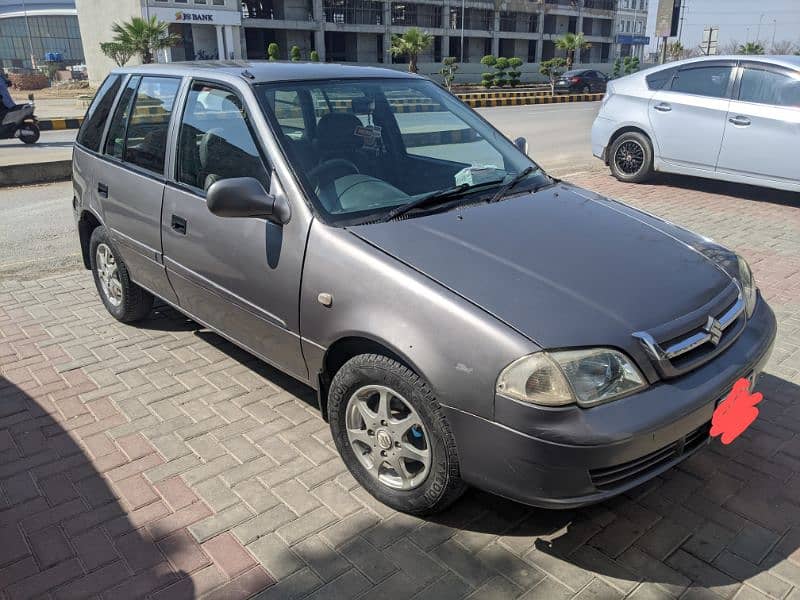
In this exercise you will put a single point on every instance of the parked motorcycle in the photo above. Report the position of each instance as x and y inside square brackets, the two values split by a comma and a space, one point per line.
[21, 122]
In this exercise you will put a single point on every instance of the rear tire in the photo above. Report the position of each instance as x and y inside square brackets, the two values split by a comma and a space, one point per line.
[586, 90]
[631, 157]
[29, 134]
[371, 440]
[126, 301]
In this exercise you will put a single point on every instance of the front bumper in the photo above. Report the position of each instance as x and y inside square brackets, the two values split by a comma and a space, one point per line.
[568, 457]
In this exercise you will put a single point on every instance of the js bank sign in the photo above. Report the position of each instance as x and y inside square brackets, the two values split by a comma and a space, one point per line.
[198, 17]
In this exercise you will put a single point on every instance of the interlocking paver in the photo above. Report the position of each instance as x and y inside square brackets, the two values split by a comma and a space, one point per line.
[151, 460]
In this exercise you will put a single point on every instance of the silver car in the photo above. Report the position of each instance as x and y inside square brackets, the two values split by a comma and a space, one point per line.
[734, 118]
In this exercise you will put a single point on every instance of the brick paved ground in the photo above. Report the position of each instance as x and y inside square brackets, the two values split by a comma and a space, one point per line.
[159, 460]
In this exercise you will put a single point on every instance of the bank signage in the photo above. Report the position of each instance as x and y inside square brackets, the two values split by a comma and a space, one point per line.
[634, 40]
[197, 17]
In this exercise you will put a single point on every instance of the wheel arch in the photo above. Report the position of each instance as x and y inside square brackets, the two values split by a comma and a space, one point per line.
[343, 350]
[87, 223]
[628, 129]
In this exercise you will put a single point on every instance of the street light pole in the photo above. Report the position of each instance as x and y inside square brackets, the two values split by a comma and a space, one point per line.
[463, 2]
[774, 31]
[28, 28]
[758, 31]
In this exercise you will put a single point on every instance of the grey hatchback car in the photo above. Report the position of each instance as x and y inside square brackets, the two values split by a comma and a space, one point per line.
[464, 317]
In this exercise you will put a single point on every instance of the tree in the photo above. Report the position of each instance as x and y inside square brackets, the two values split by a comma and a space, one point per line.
[448, 71]
[411, 44]
[552, 69]
[273, 51]
[751, 48]
[630, 64]
[500, 66]
[675, 50]
[616, 69]
[117, 52]
[514, 74]
[314, 56]
[144, 37]
[571, 43]
[731, 47]
[782, 48]
[294, 54]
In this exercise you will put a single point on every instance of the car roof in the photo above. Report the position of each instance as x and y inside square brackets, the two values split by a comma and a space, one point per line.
[792, 62]
[266, 71]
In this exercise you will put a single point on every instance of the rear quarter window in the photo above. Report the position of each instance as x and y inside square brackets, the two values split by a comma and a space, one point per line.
[659, 79]
[93, 123]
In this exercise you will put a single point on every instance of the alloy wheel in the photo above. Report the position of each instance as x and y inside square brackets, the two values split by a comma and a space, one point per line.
[629, 157]
[388, 437]
[108, 274]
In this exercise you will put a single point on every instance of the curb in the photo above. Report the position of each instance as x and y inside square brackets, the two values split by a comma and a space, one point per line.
[58, 124]
[524, 100]
[33, 173]
[472, 99]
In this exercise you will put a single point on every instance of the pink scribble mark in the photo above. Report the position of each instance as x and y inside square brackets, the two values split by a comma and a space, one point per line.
[736, 412]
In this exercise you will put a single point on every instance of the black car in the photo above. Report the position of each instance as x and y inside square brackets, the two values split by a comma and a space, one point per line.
[583, 81]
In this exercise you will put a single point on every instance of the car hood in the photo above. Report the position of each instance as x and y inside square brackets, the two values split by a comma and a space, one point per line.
[563, 266]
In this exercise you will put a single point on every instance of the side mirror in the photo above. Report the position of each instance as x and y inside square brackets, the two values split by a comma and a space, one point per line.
[246, 197]
[522, 144]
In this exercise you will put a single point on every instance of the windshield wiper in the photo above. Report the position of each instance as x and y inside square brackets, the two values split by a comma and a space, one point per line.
[509, 185]
[432, 198]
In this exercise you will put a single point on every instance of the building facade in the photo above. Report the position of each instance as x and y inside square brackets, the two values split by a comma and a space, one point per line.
[631, 28]
[209, 29]
[361, 30]
[35, 31]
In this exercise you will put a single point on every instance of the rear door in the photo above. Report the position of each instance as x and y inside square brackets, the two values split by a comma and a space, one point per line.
[762, 131]
[688, 115]
[130, 180]
[240, 276]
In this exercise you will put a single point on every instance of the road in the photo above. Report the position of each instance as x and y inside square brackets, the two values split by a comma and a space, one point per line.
[37, 235]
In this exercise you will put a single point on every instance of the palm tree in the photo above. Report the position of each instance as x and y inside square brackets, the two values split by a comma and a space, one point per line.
[675, 50]
[572, 42]
[144, 37]
[411, 44]
[751, 48]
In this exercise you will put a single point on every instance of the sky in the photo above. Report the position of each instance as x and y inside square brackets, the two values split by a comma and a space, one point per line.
[737, 20]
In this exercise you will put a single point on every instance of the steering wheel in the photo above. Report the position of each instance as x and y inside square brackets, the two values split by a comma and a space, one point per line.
[331, 167]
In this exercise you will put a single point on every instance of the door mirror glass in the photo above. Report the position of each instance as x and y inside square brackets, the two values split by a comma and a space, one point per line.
[245, 197]
[522, 144]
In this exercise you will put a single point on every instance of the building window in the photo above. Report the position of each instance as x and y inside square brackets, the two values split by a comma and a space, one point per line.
[218, 2]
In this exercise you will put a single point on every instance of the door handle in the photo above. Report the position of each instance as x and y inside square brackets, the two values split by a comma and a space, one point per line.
[740, 120]
[178, 224]
[102, 189]
[663, 107]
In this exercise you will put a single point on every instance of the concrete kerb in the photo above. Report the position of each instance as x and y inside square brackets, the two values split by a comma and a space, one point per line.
[34, 173]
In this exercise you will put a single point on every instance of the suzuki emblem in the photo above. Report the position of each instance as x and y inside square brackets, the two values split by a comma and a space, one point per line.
[715, 330]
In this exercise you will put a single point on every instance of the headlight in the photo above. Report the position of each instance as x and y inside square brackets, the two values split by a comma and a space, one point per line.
[585, 377]
[749, 289]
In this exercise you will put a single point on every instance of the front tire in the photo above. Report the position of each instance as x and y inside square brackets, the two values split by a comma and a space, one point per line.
[392, 435]
[126, 301]
[29, 133]
[631, 157]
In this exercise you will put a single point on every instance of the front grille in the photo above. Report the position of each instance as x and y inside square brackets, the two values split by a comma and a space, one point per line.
[609, 478]
[690, 341]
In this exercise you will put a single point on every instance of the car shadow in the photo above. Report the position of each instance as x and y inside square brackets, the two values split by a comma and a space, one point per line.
[63, 525]
[738, 190]
[725, 515]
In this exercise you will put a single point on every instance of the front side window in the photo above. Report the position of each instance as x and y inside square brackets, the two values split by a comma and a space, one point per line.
[769, 87]
[215, 140]
[146, 137]
[703, 81]
[92, 128]
[363, 148]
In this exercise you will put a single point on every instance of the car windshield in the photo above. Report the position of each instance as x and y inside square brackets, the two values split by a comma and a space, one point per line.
[363, 147]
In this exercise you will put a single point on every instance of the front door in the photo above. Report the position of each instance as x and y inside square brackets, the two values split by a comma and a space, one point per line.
[762, 132]
[130, 179]
[240, 276]
[688, 118]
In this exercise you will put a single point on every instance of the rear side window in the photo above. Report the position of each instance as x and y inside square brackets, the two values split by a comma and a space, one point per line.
[216, 141]
[146, 138]
[703, 81]
[769, 87]
[659, 79]
[115, 141]
[92, 128]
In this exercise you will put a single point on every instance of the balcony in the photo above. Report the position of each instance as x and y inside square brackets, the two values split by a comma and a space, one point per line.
[353, 12]
[519, 22]
[278, 10]
[475, 19]
[606, 5]
[405, 14]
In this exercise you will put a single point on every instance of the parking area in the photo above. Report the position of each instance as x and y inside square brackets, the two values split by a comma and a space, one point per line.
[160, 461]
